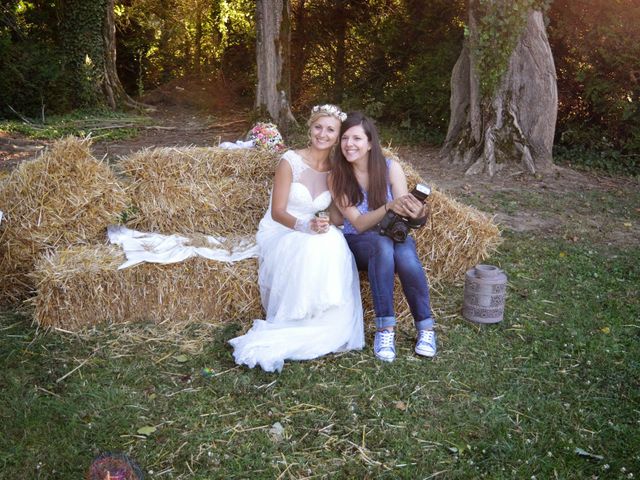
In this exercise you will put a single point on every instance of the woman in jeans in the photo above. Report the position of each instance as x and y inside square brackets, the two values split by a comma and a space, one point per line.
[365, 186]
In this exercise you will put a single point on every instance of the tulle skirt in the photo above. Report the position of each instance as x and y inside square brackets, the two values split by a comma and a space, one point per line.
[311, 295]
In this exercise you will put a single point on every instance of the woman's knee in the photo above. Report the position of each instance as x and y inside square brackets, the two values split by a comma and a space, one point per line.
[382, 246]
[406, 252]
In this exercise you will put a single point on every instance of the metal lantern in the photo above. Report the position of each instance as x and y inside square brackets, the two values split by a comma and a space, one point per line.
[485, 288]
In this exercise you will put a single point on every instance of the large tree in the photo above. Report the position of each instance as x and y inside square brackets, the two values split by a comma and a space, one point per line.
[273, 40]
[112, 88]
[89, 43]
[503, 90]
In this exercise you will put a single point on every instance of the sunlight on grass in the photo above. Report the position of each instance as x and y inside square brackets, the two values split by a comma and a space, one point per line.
[99, 124]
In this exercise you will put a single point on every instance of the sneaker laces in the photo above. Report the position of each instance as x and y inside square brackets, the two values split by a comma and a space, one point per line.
[426, 336]
[386, 339]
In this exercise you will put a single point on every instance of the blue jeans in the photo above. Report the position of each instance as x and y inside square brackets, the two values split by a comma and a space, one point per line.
[381, 257]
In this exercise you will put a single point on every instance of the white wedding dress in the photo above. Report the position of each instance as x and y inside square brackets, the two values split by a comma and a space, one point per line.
[308, 283]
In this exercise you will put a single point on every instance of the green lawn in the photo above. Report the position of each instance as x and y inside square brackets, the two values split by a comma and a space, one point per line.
[560, 375]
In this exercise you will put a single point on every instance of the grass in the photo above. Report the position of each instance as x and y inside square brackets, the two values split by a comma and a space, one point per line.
[518, 399]
[620, 204]
[100, 124]
[551, 392]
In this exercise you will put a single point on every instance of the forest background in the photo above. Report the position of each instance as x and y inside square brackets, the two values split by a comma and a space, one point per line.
[391, 58]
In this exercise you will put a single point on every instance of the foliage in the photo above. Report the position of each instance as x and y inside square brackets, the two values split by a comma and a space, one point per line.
[596, 47]
[606, 158]
[391, 58]
[396, 58]
[30, 60]
[499, 26]
[31, 76]
[173, 38]
[99, 124]
[82, 41]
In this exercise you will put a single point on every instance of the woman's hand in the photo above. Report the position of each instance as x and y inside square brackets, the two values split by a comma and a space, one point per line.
[407, 206]
[312, 226]
[320, 224]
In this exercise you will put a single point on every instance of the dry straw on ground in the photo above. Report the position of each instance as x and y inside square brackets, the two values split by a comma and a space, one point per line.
[80, 286]
[64, 197]
[210, 190]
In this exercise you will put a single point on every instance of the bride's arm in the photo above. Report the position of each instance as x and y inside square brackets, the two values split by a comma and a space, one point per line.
[335, 216]
[280, 195]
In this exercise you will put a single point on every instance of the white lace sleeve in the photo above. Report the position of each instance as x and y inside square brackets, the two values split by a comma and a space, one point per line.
[296, 164]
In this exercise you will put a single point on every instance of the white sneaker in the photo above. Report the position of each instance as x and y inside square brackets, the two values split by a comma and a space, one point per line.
[426, 343]
[383, 346]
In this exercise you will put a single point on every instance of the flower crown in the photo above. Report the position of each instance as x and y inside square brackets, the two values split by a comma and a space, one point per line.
[330, 110]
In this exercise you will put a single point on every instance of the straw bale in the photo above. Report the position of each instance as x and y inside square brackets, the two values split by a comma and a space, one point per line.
[223, 192]
[64, 197]
[210, 190]
[81, 286]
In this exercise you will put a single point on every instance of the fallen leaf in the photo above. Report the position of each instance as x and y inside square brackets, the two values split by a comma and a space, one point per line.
[563, 254]
[181, 358]
[628, 224]
[146, 430]
[605, 330]
[276, 431]
[400, 405]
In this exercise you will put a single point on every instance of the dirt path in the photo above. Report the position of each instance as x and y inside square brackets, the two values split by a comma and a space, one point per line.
[578, 206]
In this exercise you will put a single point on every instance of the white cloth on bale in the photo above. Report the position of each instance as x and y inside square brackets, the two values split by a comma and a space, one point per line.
[142, 247]
[237, 144]
[309, 284]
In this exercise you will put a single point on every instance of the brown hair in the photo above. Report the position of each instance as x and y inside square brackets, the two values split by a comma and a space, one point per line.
[343, 179]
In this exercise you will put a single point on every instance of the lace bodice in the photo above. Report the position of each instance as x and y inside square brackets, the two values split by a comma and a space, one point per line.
[309, 192]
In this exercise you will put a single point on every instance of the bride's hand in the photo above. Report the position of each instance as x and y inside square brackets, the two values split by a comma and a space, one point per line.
[320, 224]
[313, 226]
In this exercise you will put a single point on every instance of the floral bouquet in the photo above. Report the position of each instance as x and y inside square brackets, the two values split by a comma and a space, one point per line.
[267, 137]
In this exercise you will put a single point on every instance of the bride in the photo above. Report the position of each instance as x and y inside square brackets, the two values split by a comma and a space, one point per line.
[308, 278]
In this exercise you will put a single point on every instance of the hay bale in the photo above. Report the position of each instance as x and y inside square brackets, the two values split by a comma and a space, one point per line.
[210, 190]
[81, 286]
[220, 192]
[64, 197]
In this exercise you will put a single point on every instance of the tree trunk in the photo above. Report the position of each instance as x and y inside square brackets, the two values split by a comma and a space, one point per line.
[198, 40]
[517, 124]
[114, 93]
[341, 35]
[273, 57]
[298, 50]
